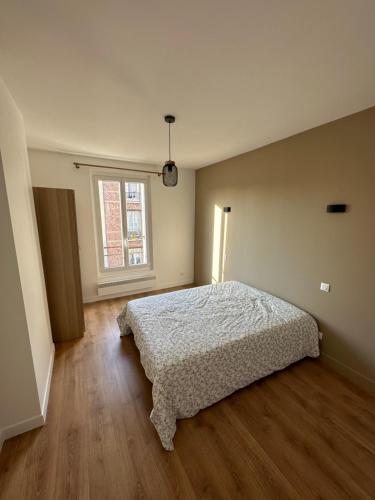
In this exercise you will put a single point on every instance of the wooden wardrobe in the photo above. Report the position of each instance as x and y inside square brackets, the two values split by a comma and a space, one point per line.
[57, 226]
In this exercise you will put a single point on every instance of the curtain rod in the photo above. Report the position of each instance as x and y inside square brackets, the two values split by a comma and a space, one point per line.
[78, 165]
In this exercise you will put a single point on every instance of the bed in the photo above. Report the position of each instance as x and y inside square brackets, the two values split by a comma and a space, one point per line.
[201, 344]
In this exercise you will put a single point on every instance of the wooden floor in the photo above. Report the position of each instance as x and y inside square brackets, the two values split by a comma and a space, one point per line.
[301, 433]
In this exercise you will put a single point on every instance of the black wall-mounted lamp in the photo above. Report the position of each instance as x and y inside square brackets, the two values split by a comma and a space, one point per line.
[336, 208]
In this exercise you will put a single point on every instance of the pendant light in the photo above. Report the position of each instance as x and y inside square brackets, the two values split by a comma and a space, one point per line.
[170, 174]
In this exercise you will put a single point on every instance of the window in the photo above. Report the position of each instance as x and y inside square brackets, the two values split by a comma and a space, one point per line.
[122, 223]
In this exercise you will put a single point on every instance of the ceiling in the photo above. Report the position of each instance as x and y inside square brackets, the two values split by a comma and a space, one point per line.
[96, 77]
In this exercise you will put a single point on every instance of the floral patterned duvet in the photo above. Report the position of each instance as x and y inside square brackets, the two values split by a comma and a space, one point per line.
[199, 345]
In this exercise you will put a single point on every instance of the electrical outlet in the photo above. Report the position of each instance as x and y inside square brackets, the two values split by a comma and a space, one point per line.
[325, 287]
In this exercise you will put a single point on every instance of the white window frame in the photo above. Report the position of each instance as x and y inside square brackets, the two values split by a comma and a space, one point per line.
[126, 269]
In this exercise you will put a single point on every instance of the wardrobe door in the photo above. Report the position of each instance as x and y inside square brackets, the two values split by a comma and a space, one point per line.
[57, 226]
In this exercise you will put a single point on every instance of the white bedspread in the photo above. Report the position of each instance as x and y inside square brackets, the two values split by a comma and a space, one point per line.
[199, 345]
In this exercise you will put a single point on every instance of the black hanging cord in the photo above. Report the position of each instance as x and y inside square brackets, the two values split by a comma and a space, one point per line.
[169, 134]
[169, 119]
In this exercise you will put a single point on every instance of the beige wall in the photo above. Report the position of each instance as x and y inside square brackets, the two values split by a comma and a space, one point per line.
[279, 237]
[26, 348]
[172, 216]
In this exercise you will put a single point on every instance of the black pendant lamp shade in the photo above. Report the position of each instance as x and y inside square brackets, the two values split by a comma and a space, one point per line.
[170, 174]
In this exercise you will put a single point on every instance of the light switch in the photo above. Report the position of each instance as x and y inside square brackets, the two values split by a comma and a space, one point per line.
[325, 287]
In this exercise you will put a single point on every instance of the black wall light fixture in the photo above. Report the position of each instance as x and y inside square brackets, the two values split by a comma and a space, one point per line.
[227, 209]
[170, 174]
[336, 208]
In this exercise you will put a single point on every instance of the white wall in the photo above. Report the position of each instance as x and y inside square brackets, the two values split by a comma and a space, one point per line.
[172, 216]
[26, 348]
[16, 363]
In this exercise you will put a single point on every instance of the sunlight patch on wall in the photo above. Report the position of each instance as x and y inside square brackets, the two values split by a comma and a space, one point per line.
[216, 245]
[219, 244]
[224, 246]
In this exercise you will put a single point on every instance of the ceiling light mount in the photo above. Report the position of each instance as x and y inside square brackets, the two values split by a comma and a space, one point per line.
[169, 118]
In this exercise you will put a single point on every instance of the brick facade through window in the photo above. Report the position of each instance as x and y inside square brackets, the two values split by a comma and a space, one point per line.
[112, 213]
[113, 249]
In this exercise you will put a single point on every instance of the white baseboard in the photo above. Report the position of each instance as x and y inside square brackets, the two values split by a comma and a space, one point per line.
[33, 422]
[21, 427]
[48, 384]
[159, 286]
[356, 377]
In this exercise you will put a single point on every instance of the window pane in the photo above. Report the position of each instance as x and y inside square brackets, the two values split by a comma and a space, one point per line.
[111, 220]
[136, 222]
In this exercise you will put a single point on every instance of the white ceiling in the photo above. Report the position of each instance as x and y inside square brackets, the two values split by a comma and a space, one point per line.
[96, 76]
